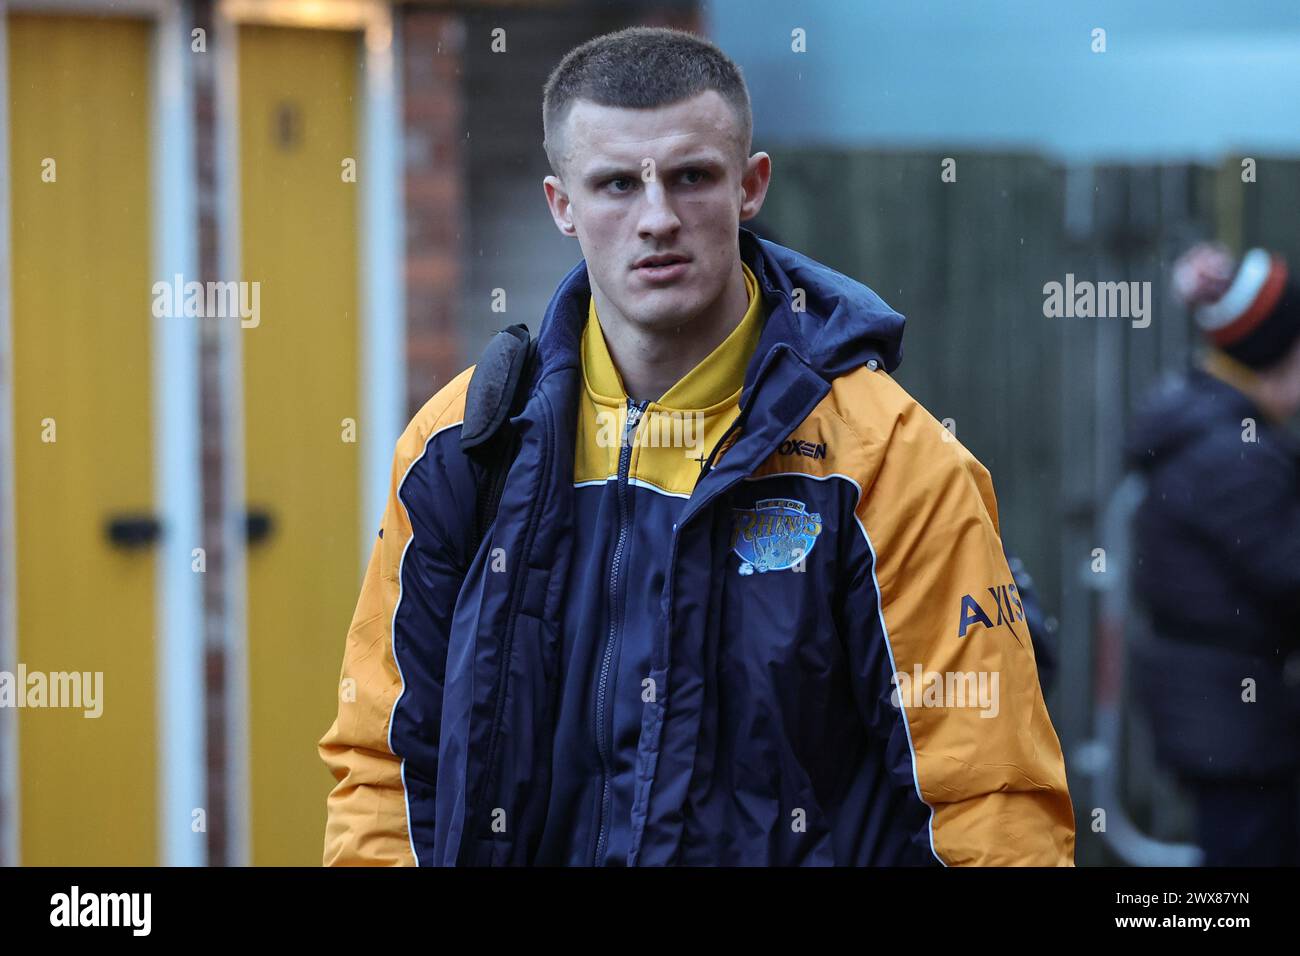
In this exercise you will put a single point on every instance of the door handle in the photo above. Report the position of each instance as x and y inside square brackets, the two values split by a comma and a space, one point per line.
[258, 525]
[133, 531]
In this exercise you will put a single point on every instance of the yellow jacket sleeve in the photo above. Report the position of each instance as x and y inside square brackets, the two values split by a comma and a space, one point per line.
[379, 776]
[986, 758]
[366, 810]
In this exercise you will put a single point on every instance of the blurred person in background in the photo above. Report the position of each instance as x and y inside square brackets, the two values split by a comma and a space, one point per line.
[1218, 558]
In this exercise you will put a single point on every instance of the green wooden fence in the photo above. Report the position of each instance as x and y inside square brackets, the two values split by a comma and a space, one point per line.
[1042, 402]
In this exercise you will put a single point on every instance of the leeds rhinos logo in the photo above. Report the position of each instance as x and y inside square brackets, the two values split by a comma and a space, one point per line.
[774, 535]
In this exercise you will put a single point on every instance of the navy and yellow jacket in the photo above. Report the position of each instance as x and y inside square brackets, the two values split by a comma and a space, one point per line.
[755, 622]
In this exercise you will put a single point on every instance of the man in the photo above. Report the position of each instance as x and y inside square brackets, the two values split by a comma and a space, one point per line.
[682, 650]
[1218, 559]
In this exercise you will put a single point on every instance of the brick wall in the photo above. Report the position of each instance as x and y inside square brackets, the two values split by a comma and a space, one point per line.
[436, 211]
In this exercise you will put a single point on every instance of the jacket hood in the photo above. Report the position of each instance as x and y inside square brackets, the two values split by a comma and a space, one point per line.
[1179, 409]
[840, 324]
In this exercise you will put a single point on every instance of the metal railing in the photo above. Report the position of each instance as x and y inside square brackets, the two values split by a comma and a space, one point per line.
[1101, 758]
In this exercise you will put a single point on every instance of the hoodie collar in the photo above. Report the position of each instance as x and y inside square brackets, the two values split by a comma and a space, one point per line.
[834, 323]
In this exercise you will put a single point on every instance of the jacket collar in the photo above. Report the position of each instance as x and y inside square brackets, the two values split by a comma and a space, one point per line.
[820, 324]
[713, 384]
[833, 323]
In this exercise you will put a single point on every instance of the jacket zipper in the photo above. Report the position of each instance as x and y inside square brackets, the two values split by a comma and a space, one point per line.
[634, 412]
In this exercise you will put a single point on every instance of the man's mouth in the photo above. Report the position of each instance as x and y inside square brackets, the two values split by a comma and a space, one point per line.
[662, 268]
[666, 259]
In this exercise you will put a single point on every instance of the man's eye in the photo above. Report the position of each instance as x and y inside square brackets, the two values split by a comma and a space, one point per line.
[698, 175]
[614, 183]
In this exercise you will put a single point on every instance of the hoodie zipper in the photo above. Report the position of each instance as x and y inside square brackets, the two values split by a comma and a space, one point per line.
[634, 412]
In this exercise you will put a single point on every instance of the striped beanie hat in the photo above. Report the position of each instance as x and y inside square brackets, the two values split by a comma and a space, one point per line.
[1258, 318]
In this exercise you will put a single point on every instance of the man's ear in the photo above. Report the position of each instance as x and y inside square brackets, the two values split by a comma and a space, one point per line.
[753, 185]
[557, 200]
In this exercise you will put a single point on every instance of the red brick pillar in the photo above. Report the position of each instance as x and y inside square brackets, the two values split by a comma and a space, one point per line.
[436, 213]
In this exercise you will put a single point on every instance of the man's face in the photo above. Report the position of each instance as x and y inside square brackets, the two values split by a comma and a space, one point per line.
[667, 182]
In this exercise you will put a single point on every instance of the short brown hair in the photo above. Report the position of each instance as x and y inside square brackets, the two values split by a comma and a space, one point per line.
[641, 68]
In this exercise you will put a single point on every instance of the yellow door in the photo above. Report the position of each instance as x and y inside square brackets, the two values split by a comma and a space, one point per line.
[297, 128]
[79, 163]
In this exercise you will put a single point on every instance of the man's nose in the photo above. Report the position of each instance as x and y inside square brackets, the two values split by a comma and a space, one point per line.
[657, 215]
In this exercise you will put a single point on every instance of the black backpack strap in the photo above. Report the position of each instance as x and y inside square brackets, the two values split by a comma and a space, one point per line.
[498, 389]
